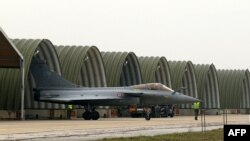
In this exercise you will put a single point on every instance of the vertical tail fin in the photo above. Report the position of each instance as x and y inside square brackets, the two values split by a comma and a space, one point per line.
[44, 77]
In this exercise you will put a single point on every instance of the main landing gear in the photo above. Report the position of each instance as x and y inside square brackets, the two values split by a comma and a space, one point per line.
[90, 113]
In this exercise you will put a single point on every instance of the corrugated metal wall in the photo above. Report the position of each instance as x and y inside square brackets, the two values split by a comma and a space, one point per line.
[207, 86]
[183, 75]
[234, 88]
[155, 69]
[246, 91]
[10, 81]
[82, 65]
[122, 68]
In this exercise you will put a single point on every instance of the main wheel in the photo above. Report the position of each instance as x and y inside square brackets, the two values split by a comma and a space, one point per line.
[95, 115]
[87, 115]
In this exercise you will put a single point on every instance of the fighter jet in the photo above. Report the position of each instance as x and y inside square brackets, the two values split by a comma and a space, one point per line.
[53, 88]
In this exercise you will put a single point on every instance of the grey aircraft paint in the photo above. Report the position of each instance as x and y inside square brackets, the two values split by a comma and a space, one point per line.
[50, 87]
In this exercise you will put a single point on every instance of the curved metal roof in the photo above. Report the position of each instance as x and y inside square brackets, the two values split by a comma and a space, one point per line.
[155, 69]
[10, 82]
[183, 75]
[83, 65]
[207, 85]
[234, 88]
[122, 68]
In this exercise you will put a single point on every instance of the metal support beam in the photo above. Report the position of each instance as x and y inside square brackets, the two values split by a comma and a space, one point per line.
[22, 88]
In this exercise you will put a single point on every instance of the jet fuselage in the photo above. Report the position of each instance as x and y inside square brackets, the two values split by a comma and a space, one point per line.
[112, 96]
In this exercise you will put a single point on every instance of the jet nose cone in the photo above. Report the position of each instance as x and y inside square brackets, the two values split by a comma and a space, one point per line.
[187, 99]
[192, 99]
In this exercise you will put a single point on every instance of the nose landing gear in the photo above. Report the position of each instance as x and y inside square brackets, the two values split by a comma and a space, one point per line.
[147, 113]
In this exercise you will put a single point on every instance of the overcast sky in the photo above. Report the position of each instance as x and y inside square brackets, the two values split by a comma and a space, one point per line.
[202, 31]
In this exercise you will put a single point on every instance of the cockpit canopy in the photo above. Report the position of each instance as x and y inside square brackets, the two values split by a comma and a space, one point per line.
[153, 86]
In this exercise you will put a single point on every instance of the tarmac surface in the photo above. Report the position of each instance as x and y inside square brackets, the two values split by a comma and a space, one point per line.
[80, 130]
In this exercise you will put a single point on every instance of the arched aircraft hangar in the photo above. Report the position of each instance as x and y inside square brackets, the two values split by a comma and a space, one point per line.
[122, 68]
[82, 65]
[155, 69]
[234, 89]
[207, 85]
[183, 75]
[10, 86]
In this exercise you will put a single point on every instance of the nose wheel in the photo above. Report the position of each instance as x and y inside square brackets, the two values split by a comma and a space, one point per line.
[147, 113]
